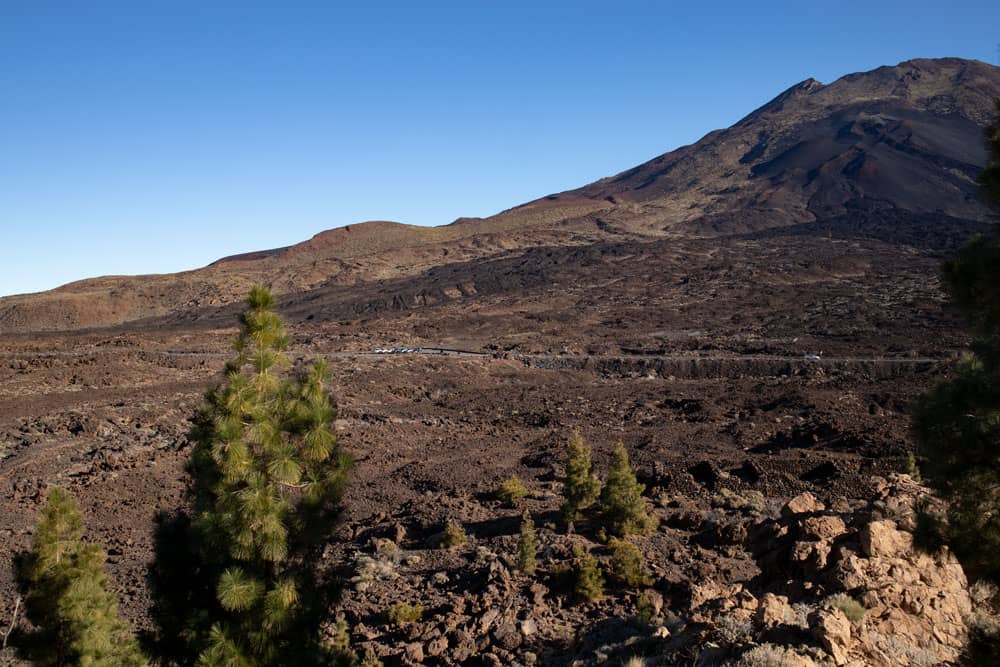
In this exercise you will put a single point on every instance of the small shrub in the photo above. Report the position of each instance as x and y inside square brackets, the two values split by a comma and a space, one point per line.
[749, 500]
[379, 567]
[732, 631]
[644, 610]
[768, 655]
[341, 636]
[511, 490]
[527, 546]
[622, 503]
[627, 564]
[453, 536]
[405, 613]
[911, 468]
[589, 580]
[853, 610]
[904, 651]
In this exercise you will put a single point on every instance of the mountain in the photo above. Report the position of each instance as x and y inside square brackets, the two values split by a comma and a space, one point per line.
[889, 155]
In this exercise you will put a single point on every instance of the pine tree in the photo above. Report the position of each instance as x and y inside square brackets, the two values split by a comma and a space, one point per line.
[622, 504]
[580, 487]
[527, 546]
[627, 564]
[67, 597]
[958, 423]
[589, 580]
[266, 484]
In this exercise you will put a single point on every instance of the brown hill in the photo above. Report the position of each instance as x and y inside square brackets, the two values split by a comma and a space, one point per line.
[889, 154]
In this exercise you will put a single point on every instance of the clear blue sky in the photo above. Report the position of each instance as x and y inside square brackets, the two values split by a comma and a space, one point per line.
[155, 136]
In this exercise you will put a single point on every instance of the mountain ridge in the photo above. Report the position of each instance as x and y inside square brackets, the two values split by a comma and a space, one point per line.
[903, 141]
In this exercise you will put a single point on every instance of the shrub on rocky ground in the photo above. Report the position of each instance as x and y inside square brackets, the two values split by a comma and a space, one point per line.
[853, 610]
[769, 655]
[511, 490]
[381, 566]
[747, 500]
[404, 613]
[453, 536]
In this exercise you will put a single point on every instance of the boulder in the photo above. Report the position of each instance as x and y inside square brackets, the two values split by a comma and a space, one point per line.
[772, 610]
[826, 528]
[832, 630]
[881, 539]
[804, 503]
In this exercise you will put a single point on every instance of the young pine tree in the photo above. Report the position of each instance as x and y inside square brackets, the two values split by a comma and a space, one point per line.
[67, 598]
[622, 503]
[527, 546]
[958, 423]
[589, 583]
[267, 480]
[580, 487]
[627, 564]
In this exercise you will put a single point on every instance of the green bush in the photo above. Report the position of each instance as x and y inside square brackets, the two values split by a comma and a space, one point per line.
[853, 610]
[627, 564]
[748, 500]
[644, 610]
[404, 613]
[622, 504]
[511, 490]
[453, 536]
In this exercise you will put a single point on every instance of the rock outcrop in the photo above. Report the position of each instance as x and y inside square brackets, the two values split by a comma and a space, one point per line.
[849, 588]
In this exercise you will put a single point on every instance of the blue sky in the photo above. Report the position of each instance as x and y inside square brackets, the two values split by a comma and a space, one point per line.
[155, 136]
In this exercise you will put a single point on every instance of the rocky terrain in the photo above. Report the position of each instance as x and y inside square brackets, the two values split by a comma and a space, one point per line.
[750, 315]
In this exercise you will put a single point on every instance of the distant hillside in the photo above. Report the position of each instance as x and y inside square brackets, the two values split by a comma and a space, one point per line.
[890, 154]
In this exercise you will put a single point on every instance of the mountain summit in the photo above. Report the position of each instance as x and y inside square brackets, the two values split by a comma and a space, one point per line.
[892, 153]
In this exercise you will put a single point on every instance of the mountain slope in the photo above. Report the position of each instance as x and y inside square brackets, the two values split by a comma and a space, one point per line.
[890, 154]
[906, 137]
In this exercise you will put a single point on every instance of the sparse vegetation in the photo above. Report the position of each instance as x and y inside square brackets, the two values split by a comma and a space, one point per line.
[511, 490]
[589, 584]
[911, 468]
[527, 546]
[627, 564]
[746, 500]
[852, 609]
[580, 487]
[66, 595]
[380, 566]
[405, 613]
[644, 610]
[622, 504]
[453, 535]
[768, 655]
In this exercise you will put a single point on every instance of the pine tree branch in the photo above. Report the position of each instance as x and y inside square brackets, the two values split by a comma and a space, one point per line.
[13, 622]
